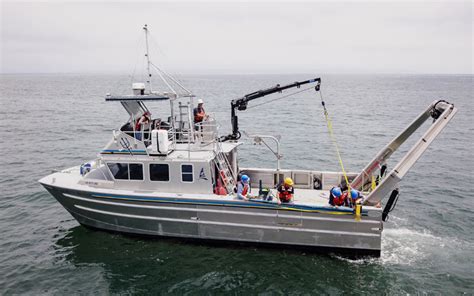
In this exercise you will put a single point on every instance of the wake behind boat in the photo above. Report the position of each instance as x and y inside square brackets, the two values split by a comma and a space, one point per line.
[178, 177]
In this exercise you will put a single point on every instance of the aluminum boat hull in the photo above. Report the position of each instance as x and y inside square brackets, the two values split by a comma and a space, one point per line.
[236, 221]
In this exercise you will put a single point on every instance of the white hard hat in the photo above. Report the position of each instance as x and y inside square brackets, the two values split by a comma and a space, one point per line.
[200, 101]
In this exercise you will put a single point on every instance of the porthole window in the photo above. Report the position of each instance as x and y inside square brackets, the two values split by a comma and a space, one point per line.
[126, 171]
[159, 172]
[186, 173]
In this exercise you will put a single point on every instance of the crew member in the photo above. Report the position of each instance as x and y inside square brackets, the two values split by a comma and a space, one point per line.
[286, 191]
[157, 124]
[142, 124]
[337, 197]
[243, 188]
[199, 113]
[356, 196]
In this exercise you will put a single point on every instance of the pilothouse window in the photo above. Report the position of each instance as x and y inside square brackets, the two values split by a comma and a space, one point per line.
[126, 171]
[187, 173]
[136, 171]
[159, 172]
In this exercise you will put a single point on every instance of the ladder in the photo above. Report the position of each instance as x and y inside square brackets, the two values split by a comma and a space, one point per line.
[186, 125]
[225, 172]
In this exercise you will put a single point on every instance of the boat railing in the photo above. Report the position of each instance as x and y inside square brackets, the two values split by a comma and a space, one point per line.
[127, 141]
[144, 137]
[206, 132]
[203, 134]
[172, 138]
[304, 179]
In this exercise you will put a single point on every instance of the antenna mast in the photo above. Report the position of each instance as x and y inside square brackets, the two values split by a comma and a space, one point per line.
[147, 54]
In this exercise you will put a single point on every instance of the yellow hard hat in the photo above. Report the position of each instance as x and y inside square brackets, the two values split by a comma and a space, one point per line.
[289, 182]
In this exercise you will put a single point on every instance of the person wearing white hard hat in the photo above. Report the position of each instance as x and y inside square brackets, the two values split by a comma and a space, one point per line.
[199, 113]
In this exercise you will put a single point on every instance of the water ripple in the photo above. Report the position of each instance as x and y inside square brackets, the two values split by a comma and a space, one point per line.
[427, 244]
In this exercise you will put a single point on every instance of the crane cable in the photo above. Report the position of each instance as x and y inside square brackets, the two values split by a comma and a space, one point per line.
[330, 129]
[333, 139]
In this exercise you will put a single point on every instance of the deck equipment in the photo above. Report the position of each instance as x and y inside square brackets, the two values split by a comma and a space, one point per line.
[241, 103]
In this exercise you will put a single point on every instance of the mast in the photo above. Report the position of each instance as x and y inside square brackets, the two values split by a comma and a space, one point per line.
[147, 54]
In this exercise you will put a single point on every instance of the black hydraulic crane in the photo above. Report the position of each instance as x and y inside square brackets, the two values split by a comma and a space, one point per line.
[241, 103]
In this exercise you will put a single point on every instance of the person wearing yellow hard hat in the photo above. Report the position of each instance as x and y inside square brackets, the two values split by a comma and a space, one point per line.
[286, 190]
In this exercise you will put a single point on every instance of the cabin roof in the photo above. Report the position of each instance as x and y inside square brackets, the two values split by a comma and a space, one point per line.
[180, 154]
[128, 98]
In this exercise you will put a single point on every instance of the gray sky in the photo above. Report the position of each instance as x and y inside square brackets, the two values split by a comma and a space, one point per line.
[264, 37]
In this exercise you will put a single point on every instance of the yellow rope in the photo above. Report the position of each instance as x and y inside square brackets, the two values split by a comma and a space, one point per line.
[333, 139]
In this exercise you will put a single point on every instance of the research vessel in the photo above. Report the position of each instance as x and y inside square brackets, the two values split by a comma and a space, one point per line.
[177, 178]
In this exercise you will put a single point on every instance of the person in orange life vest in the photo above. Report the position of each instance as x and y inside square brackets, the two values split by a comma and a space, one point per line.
[286, 191]
[337, 197]
[142, 124]
[199, 113]
[243, 187]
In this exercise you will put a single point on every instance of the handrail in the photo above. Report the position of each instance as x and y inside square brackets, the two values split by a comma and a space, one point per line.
[206, 134]
[203, 133]
[206, 131]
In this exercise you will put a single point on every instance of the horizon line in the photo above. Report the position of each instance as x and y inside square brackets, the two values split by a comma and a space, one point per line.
[238, 73]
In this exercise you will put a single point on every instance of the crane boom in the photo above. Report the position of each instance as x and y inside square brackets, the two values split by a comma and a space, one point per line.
[241, 103]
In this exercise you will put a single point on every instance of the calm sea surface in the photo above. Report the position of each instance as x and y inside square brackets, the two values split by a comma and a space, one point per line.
[58, 121]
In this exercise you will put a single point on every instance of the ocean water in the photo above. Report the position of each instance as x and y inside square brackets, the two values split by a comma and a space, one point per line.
[49, 122]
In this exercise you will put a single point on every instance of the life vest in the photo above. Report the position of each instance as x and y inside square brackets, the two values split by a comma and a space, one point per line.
[220, 190]
[340, 201]
[137, 124]
[285, 194]
[245, 190]
[199, 115]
